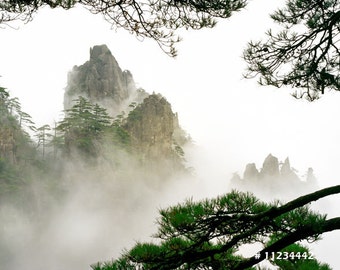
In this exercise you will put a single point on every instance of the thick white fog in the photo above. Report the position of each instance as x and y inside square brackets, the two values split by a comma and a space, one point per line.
[232, 121]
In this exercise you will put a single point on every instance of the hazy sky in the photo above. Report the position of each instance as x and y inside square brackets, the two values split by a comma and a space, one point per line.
[230, 116]
[232, 119]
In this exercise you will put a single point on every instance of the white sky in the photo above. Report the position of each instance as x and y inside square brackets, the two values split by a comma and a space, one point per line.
[219, 108]
[232, 119]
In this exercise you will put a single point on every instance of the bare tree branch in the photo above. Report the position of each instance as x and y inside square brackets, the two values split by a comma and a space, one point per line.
[154, 19]
[305, 55]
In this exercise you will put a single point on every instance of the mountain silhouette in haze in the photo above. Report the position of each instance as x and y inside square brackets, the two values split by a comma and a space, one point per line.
[274, 179]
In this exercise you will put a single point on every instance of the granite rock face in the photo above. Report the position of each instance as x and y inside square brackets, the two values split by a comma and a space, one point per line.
[154, 133]
[101, 80]
[151, 127]
[15, 148]
[7, 145]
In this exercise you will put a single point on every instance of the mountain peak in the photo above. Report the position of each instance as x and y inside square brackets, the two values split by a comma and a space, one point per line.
[101, 80]
[146, 121]
[98, 50]
[275, 178]
[270, 166]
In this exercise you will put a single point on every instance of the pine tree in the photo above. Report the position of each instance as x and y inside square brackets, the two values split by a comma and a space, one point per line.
[43, 137]
[206, 234]
[84, 126]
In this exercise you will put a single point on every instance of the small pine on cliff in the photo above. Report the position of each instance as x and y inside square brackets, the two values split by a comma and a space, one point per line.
[18, 156]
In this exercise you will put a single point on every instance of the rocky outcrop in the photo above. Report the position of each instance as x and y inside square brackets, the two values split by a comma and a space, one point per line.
[154, 133]
[251, 172]
[270, 167]
[151, 126]
[274, 179]
[288, 173]
[7, 145]
[101, 80]
[15, 146]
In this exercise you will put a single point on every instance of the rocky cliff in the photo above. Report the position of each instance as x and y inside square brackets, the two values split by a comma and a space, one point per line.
[152, 126]
[155, 136]
[7, 145]
[14, 140]
[101, 80]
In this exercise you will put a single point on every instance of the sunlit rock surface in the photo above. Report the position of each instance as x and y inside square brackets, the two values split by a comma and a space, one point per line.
[152, 126]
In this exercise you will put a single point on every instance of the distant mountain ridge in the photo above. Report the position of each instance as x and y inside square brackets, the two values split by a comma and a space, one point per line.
[274, 179]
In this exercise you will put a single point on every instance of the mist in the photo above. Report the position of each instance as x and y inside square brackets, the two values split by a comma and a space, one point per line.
[98, 211]
[91, 215]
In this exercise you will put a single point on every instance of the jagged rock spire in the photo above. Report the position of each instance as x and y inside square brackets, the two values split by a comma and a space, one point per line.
[270, 166]
[250, 172]
[147, 122]
[274, 179]
[100, 79]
